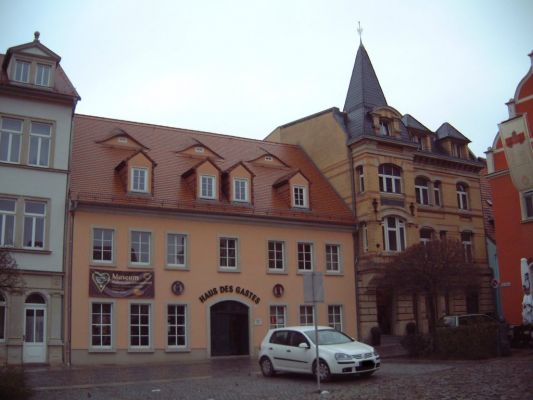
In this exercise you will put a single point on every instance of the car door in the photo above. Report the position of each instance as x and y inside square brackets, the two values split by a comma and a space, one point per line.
[277, 349]
[298, 359]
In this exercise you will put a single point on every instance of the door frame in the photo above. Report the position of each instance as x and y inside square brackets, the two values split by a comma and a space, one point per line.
[208, 325]
[26, 345]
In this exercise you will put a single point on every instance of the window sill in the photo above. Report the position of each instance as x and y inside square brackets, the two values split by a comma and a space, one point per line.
[147, 350]
[527, 220]
[96, 264]
[141, 266]
[177, 268]
[96, 350]
[304, 271]
[230, 270]
[277, 272]
[177, 350]
[25, 250]
[334, 273]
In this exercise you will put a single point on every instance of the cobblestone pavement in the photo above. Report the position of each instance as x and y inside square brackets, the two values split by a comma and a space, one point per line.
[503, 378]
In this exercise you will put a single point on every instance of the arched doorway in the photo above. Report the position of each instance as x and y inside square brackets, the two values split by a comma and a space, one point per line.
[34, 344]
[229, 329]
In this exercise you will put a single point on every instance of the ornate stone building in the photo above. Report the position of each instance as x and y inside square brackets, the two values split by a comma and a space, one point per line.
[405, 184]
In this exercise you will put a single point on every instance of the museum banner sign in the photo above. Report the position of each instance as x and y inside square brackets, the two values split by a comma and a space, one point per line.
[121, 284]
[518, 151]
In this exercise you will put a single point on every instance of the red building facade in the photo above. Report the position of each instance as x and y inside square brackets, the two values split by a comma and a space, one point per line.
[510, 167]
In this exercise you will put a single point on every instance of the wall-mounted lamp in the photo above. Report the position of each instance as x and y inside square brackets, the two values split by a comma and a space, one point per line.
[375, 205]
[412, 208]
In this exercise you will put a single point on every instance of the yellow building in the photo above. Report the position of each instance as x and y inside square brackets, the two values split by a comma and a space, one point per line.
[189, 245]
[406, 184]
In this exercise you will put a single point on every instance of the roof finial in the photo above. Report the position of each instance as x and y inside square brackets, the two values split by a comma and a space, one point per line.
[36, 35]
[360, 32]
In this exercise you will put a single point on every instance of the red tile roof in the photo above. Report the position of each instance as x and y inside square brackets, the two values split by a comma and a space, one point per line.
[94, 179]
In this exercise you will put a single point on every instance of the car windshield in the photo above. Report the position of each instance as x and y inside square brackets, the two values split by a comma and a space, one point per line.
[328, 336]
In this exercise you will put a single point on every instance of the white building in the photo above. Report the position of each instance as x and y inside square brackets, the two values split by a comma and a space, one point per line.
[37, 103]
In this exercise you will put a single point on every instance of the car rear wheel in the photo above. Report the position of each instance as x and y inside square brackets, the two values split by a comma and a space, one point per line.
[266, 367]
[323, 369]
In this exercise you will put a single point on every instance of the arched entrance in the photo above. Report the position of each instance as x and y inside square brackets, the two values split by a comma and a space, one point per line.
[229, 329]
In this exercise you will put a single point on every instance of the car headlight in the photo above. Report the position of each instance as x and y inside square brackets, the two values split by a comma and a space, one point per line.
[342, 357]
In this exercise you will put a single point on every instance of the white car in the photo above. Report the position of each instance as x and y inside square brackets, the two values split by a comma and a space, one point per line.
[293, 349]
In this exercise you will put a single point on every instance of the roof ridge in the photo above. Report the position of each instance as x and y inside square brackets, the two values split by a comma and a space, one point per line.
[185, 130]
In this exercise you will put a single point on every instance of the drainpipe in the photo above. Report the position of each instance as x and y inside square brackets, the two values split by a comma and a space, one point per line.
[355, 241]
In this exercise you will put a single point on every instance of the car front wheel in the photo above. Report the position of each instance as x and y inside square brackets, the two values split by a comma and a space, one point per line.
[323, 369]
[266, 367]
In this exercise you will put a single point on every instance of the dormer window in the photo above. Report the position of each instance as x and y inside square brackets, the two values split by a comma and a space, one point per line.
[268, 158]
[299, 194]
[139, 180]
[42, 77]
[456, 150]
[384, 128]
[199, 149]
[240, 190]
[207, 190]
[22, 71]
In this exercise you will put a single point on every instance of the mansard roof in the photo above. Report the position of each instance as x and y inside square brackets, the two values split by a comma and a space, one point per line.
[94, 180]
[446, 130]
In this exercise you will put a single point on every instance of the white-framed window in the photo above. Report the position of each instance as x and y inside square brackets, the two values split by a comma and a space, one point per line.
[364, 229]
[276, 255]
[437, 193]
[10, 139]
[103, 242]
[384, 128]
[40, 135]
[307, 315]
[305, 256]
[335, 316]
[390, 178]
[140, 252]
[102, 325]
[462, 196]
[466, 239]
[527, 203]
[393, 234]
[299, 196]
[228, 253]
[8, 210]
[34, 224]
[42, 77]
[140, 326]
[456, 150]
[177, 326]
[240, 190]
[176, 249]
[207, 187]
[333, 258]
[22, 71]
[422, 191]
[3, 314]
[426, 235]
[278, 317]
[139, 180]
[360, 173]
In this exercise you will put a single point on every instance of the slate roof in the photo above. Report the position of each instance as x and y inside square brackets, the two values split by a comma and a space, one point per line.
[446, 130]
[411, 122]
[364, 93]
[94, 179]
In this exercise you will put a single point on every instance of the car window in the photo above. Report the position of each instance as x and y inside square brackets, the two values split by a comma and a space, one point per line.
[280, 337]
[296, 338]
[329, 336]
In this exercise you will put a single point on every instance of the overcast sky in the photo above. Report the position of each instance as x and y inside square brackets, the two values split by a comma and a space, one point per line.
[245, 67]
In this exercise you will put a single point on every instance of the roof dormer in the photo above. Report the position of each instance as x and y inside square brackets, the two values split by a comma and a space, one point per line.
[295, 186]
[418, 133]
[204, 179]
[386, 121]
[269, 160]
[119, 138]
[238, 183]
[31, 63]
[199, 150]
[136, 173]
[454, 143]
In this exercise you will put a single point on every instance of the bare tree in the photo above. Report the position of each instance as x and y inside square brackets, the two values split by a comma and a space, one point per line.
[430, 269]
[10, 277]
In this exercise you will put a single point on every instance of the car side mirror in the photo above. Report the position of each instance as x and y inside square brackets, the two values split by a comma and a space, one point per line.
[303, 345]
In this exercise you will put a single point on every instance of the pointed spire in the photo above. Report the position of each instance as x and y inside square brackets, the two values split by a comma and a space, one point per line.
[364, 86]
[360, 32]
